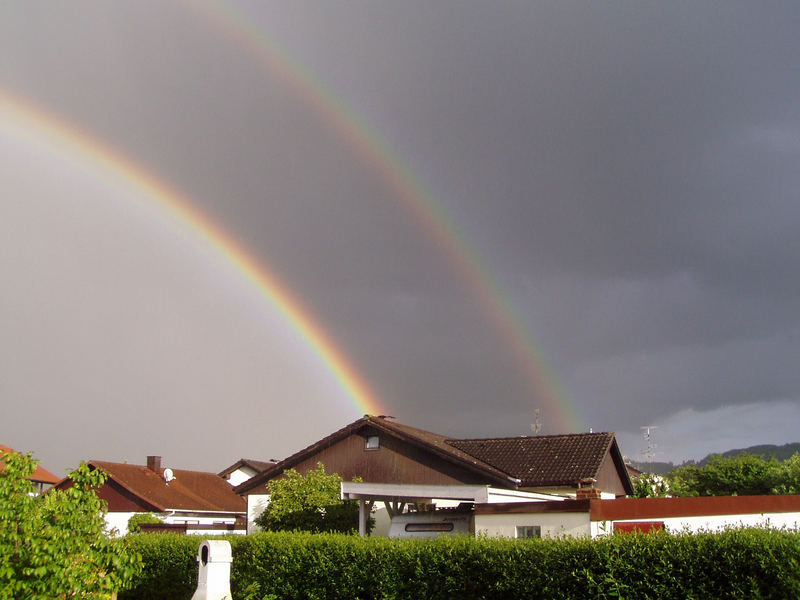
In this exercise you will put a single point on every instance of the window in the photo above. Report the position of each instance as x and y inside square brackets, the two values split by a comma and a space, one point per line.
[529, 531]
[429, 527]
[373, 442]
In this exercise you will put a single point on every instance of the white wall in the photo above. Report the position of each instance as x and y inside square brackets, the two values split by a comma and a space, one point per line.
[573, 524]
[256, 503]
[709, 522]
[118, 521]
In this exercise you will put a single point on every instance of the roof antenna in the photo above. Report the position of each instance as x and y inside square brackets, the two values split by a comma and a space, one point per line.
[650, 451]
[536, 426]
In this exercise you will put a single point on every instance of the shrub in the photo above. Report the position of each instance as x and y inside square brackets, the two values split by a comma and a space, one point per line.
[739, 563]
[139, 519]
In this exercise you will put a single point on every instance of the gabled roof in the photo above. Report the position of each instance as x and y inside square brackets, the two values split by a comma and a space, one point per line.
[545, 460]
[255, 465]
[559, 460]
[190, 490]
[39, 475]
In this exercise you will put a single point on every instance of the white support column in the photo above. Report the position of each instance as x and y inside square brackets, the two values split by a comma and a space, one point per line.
[362, 517]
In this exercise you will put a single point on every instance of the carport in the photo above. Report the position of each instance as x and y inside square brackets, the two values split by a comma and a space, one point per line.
[398, 496]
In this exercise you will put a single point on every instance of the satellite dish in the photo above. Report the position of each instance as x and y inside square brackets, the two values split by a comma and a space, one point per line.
[168, 475]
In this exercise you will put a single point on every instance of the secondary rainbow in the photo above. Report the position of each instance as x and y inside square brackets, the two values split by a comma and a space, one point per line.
[419, 202]
[26, 122]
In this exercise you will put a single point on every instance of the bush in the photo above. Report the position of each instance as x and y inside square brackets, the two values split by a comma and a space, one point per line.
[739, 563]
[169, 566]
[139, 519]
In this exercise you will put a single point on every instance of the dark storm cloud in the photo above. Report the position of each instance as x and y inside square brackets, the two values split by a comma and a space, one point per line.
[625, 172]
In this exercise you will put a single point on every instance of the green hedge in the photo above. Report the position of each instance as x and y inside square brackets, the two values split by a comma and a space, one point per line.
[742, 563]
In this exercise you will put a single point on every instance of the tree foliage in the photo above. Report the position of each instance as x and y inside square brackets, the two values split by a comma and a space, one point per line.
[55, 545]
[309, 503]
[742, 475]
[650, 485]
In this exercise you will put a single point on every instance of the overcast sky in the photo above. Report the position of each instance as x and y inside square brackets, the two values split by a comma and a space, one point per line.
[621, 177]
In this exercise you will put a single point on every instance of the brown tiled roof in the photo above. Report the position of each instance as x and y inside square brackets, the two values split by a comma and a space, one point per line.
[190, 490]
[419, 437]
[39, 475]
[547, 460]
[555, 460]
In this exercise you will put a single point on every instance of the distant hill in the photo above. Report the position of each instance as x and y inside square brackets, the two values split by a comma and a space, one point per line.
[764, 450]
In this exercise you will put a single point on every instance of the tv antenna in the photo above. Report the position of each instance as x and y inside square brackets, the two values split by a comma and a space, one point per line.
[650, 451]
[536, 426]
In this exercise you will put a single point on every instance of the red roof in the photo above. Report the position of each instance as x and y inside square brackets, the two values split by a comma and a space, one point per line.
[189, 490]
[40, 475]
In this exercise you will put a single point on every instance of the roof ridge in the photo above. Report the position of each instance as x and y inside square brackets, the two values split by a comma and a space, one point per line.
[531, 437]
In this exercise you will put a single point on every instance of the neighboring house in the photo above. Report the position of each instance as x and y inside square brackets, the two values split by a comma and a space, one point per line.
[203, 502]
[379, 450]
[243, 469]
[42, 478]
[596, 517]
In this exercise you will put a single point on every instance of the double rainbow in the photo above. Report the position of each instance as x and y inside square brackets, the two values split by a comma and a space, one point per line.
[426, 211]
[23, 122]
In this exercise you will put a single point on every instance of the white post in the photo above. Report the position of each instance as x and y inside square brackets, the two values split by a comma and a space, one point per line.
[214, 572]
[362, 517]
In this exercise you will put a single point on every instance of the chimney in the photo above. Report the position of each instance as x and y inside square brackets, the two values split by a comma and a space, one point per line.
[587, 493]
[586, 489]
[154, 463]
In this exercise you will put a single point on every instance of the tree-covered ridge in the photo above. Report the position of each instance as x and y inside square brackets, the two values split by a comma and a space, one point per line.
[764, 450]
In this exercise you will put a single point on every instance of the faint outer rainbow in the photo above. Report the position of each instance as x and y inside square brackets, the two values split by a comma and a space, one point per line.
[24, 121]
[559, 412]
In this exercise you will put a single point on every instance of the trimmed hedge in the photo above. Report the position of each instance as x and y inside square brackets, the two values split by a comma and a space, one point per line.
[739, 563]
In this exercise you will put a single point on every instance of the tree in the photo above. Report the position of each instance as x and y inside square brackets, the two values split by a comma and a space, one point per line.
[742, 475]
[650, 485]
[55, 545]
[309, 503]
[791, 476]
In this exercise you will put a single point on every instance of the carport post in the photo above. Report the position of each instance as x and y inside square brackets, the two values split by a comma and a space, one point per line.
[362, 517]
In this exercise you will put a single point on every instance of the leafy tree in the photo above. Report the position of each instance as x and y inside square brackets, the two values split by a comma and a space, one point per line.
[650, 485]
[55, 545]
[742, 475]
[791, 476]
[309, 503]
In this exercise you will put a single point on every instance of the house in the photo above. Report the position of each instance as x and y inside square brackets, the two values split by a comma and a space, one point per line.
[42, 478]
[243, 469]
[196, 501]
[380, 450]
[593, 517]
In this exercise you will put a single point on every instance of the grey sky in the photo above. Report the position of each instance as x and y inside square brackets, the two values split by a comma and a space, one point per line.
[626, 173]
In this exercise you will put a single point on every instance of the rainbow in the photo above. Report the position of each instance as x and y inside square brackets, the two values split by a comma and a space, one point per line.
[426, 211]
[25, 122]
